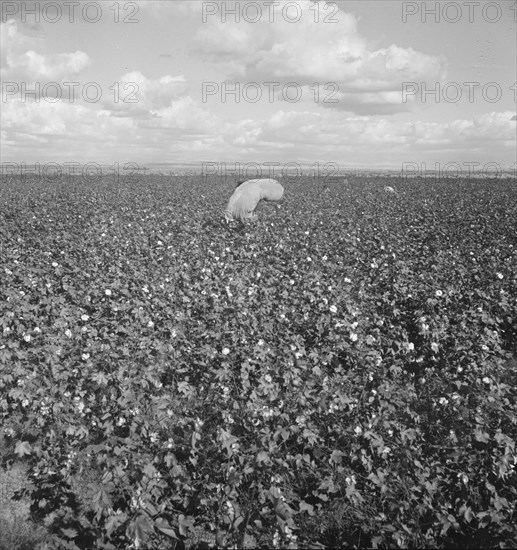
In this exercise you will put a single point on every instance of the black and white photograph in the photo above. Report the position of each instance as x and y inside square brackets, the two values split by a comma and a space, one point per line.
[258, 274]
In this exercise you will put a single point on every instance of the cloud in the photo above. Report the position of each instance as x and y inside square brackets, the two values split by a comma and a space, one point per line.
[306, 52]
[367, 103]
[313, 134]
[61, 119]
[162, 120]
[493, 126]
[186, 131]
[184, 114]
[156, 118]
[139, 96]
[161, 104]
[21, 59]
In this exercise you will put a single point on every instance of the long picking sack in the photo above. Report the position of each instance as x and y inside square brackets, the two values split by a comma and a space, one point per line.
[247, 195]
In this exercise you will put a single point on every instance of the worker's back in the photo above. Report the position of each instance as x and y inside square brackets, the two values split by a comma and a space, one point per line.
[247, 195]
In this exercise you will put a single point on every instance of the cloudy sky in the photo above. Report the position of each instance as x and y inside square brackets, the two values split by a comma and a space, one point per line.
[366, 84]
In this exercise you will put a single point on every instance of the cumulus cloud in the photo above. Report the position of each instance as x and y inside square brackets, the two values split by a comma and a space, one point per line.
[319, 133]
[156, 118]
[310, 51]
[368, 103]
[161, 104]
[493, 126]
[59, 119]
[186, 128]
[140, 96]
[163, 121]
[183, 116]
[21, 59]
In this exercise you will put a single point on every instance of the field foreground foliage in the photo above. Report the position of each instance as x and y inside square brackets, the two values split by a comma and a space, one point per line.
[340, 374]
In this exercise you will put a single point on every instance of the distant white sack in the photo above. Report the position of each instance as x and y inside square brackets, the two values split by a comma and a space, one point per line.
[389, 189]
[247, 195]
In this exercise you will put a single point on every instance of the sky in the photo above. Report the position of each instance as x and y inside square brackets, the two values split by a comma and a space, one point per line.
[368, 84]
